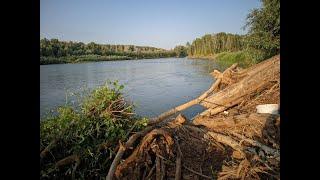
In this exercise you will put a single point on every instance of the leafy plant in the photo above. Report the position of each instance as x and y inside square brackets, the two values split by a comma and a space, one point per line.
[89, 136]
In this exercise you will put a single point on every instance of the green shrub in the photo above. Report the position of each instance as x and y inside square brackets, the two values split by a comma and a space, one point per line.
[103, 119]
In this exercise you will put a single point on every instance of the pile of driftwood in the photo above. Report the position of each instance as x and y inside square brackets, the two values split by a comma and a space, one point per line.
[227, 141]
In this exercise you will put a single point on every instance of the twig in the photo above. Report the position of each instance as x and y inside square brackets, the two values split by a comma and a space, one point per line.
[163, 170]
[178, 162]
[150, 173]
[158, 170]
[195, 172]
[144, 174]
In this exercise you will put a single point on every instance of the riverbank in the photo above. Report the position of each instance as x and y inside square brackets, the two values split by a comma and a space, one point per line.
[226, 59]
[79, 59]
[228, 140]
[92, 58]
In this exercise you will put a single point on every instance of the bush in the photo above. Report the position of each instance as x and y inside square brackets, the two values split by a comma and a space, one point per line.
[91, 134]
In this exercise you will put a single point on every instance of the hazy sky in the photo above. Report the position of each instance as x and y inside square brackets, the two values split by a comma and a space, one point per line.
[158, 23]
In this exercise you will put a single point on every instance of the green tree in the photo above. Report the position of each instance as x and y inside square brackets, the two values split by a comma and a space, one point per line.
[264, 29]
[180, 51]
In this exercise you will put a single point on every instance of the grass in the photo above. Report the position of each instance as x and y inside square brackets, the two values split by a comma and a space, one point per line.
[81, 144]
[243, 58]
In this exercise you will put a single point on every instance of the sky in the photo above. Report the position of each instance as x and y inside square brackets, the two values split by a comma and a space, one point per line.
[157, 23]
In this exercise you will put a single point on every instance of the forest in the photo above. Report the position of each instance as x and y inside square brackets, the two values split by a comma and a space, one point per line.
[54, 51]
[209, 45]
[262, 40]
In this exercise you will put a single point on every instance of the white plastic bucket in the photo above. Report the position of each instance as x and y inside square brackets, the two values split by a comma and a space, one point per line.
[268, 108]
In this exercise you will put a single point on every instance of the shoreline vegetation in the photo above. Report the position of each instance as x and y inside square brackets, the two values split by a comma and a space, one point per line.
[60, 52]
[226, 59]
[81, 143]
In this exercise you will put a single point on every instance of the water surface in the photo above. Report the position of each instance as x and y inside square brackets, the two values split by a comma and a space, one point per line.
[153, 85]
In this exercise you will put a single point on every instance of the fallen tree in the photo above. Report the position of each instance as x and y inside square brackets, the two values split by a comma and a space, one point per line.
[228, 140]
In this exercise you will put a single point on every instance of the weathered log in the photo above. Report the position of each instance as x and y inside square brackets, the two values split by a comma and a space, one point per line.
[265, 148]
[257, 67]
[252, 83]
[228, 141]
[235, 121]
[234, 144]
[192, 102]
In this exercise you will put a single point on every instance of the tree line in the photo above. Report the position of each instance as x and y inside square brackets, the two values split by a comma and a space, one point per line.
[54, 51]
[211, 44]
[262, 40]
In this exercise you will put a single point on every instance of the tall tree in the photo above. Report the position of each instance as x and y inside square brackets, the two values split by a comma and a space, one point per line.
[264, 28]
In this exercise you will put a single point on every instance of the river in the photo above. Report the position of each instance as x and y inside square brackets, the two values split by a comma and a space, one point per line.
[153, 85]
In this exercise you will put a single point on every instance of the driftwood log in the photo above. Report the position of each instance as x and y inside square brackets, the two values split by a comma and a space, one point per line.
[254, 82]
[232, 87]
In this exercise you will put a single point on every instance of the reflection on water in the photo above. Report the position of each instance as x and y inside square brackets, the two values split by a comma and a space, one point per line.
[154, 85]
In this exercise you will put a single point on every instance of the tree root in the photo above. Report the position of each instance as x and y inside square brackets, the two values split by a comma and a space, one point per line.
[139, 154]
[122, 149]
[68, 160]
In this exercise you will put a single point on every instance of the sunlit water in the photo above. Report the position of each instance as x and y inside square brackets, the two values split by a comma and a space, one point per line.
[153, 85]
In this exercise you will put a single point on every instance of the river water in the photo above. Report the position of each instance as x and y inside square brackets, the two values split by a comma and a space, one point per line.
[153, 85]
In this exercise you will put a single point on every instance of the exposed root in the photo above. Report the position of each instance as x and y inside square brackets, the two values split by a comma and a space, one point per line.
[157, 141]
[68, 160]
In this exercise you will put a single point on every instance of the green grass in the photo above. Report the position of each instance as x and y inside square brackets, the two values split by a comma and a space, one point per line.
[103, 118]
[243, 58]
